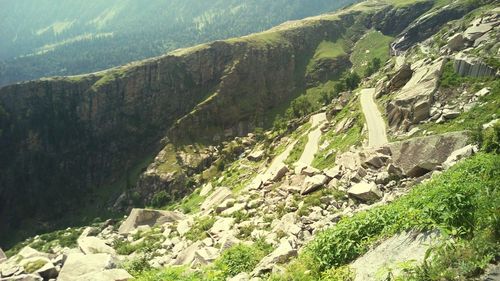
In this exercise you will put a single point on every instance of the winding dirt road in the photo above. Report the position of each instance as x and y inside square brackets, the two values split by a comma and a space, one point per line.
[377, 135]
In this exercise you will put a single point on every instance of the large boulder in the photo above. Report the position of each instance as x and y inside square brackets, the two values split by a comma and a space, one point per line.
[457, 42]
[219, 195]
[94, 245]
[400, 78]
[78, 265]
[187, 256]
[418, 156]
[48, 271]
[390, 254]
[279, 173]
[148, 217]
[313, 183]
[365, 191]
[412, 103]
[222, 225]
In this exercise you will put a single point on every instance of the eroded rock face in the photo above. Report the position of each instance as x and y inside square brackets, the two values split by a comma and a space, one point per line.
[428, 25]
[413, 102]
[140, 217]
[466, 65]
[418, 156]
[392, 252]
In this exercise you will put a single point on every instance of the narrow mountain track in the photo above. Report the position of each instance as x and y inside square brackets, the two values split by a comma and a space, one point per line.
[377, 135]
[314, 136]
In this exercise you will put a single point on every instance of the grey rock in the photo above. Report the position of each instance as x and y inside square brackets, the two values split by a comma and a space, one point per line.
[48, 271]
[391, 253]
[78, 265]
[457, 42]
[139, 217]
[365, 191]
[219, 195]
[313, 183]
[465, 65]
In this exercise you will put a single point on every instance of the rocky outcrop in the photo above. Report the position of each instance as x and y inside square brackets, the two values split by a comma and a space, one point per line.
[412, 103]
[140, 217]
[419, 156]
[428, 25]
[466, 65]
[391, 253]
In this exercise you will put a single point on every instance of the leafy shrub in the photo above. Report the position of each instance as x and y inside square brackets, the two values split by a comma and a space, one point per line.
[343, 273]
[138, 265]
[169, 274]
[462, 201]
[491, 139]
[160, 199]
[372, 67]
[237, 259]
[34, 266]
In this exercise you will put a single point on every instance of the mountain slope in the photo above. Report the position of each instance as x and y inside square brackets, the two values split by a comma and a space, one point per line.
[74, 37]
[255, 204]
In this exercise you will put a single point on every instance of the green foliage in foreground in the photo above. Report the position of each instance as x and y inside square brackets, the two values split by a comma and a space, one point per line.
[237, 259]
[462, 202]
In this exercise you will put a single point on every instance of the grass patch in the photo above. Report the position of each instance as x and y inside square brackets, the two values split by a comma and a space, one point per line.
[297, 150]
[373, 45]
[462, 202]
[339, 143]
[189, 204]
[199, 229]
[47, 241]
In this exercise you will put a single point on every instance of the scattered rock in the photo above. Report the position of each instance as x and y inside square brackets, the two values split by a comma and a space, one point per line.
[365, 191]
[78, 265]
[459, 154]
[48, 271]
[333, 173]
[313, 183]
[206, 255]
[218, 196]
[222, 225]
[457, 42]
[279, 173]
[148, 217]
[187, 256]
[94, 245]
[450, 114]
[256, 156]
[115, 274]
[23, 277]
[400, 78]
[184, 226]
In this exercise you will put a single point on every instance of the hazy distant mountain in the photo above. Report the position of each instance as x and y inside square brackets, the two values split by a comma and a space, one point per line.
[65, 37]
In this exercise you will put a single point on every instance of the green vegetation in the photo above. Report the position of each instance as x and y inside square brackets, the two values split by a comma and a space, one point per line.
[297, 150]
[189, 204]
[33, 266]
[462, 203]
[200, 227]
[487, 108]
[237, 259]
[144, 242]
[338, 143]
[374, 45]
[327, 50]
[314, 199]
[47, 241]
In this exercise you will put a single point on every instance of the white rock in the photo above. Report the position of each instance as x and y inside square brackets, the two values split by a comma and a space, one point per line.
[222, 225]
[93, 245]
[313, 183]
[219, 195]
[206, 189]
[365, 191]
[140, 217]
[78, 265]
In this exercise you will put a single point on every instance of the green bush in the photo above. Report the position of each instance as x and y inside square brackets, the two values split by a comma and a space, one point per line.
[463, 201]
[170, 274]
[491, 139]
[237, 259]
[160, 199]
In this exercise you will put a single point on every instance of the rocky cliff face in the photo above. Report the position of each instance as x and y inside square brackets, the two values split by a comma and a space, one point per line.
[67, 136]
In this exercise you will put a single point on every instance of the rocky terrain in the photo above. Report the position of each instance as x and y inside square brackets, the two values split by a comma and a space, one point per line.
[329, 195]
